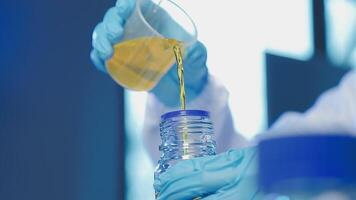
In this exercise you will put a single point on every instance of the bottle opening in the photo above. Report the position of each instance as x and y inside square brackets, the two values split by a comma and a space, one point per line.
[180, 113]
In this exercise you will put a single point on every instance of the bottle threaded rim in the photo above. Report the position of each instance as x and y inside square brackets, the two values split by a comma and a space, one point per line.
[180, 113]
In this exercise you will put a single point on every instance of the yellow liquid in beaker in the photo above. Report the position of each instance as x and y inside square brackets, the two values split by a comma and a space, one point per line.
[139, 64]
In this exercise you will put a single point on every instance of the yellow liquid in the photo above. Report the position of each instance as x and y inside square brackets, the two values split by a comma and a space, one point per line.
[140, 63]
[180, 72]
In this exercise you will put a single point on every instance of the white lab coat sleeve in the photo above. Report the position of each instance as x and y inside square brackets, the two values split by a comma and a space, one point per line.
[214, 99]
[334, 112]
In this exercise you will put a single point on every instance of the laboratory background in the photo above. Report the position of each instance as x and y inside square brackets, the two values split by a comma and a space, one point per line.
[68, 131]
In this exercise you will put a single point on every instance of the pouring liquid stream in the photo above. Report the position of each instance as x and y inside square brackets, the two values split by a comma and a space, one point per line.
[180, 72]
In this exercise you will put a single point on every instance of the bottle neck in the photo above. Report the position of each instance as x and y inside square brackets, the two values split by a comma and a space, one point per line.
[186, 136]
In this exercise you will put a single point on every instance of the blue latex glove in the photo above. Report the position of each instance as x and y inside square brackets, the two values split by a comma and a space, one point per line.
[228, 176]
[110, 32]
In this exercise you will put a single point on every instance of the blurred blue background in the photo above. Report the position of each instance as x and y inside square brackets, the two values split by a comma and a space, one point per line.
[61, 121]
[69, 132]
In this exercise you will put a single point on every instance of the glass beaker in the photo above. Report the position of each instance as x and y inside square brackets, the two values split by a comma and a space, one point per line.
[145, 53]
[185, 134]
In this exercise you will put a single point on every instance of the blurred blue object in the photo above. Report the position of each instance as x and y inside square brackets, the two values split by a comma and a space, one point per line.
[230, 175]
[305, 166]
[306, 80]
[61, 122]
[111, 30]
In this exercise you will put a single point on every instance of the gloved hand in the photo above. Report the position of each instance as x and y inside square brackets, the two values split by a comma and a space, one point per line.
[110, 32]
[228, 176]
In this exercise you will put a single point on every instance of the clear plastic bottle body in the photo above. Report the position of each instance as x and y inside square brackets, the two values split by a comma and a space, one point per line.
[185, 134]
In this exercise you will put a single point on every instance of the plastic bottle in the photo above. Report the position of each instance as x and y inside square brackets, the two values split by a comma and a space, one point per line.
[185, 134]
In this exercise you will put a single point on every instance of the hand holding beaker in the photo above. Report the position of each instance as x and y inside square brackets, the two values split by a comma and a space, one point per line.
[135, 40]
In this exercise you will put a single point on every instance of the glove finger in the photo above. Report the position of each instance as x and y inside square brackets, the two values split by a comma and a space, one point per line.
[100, 42]
[113, 25]
[196, 72]
[97, 61]
[244, 186]
[196, 54]
[193, 85]
[168, 82]
[184, 186]
[192, 178]
[183, 169]
[125, 8]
